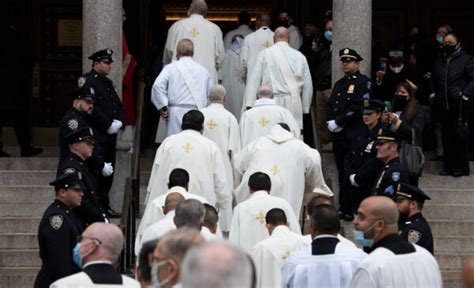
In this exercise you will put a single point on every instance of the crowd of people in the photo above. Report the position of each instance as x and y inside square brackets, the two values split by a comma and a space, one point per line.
[232, 172]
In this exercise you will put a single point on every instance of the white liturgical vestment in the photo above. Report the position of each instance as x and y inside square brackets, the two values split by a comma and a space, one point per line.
[206, 37]
[248, 221]
[270, 254]
[253, 44]
[243, 30]
[383, 268]
[173, 90]
[230, 75]
[158, 229]
[82, 280]
[265, 114]
[287, 71]
[296, 40]
[202, 159]
[292, 165]
[221, 127]
[304, 270]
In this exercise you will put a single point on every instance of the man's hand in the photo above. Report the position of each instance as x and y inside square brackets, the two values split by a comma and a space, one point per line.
[333, 127]
[164, 113]
[114, 127]
[107, 170]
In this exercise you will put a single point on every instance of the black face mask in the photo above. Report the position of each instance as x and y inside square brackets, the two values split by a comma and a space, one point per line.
[400, 102]
[449, 49]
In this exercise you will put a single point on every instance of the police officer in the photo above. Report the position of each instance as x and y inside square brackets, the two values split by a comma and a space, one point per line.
[59, 229]
[361, 161]
[76, 119]
[345, 117]
[81, 145]
[393, 172]
[413, 226]
[106, 118]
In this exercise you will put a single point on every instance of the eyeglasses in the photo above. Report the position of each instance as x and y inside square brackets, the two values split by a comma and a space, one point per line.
[80, 238]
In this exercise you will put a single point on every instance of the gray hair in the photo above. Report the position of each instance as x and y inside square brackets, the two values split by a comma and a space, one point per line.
[185, 47]
[216, 265]
[189, 213]
[265, 91]
[217, 93]
[198, 7]
[176, 243]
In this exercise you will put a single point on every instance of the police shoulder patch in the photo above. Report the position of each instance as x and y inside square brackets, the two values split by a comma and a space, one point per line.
[395, 176]
[414, 236]
[56, 221]
[73, 124]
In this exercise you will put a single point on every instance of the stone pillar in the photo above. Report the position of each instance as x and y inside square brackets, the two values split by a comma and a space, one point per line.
[352, 26]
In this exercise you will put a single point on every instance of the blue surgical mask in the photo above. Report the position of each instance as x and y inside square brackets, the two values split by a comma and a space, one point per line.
[75, 255]
[156, 283]
[359, 238]
[439, 39]
[328, 35]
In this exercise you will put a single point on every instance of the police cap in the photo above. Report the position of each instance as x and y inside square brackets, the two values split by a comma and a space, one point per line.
[82, 90]
[80, 135]
[69, 180]
[406, 191]
[386, 135]
[348, 53]
[372, 105]
[103, 56]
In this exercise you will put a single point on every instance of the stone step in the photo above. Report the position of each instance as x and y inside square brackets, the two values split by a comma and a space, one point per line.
[433, 167]
[447, 228]
[451, 212]
[446, 182]
[451, 261]
[451, 278]
[24, 177]
[454, 244]
[33, 163]
[26, 193]
[21, 209]
[18, 277]
[19, 224]
[18, 241]
[450, 196]
[19, 258]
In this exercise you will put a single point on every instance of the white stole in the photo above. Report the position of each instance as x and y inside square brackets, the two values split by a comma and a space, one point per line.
[191, 85]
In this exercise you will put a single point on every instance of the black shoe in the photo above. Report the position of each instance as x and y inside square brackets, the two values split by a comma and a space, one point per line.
[112, 213]
[31, 151]
[445, 173]
[3, 154]
[460, 173]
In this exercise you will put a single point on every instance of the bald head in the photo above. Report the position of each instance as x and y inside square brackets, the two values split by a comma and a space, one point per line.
[468, 273]
[111, 239]
[185, 47]
[171, 201]
[281, 34]
[217, 94]
[383, 208]
[265, 91]
[263, 19]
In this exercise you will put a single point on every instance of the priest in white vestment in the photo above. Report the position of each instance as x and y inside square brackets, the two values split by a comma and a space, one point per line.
[248, 222]
[287, 71]
[296, 40]
[206, 36]
[329, 262]
[293, 166]
[221, 127]
[181, 86]
[255, 42]
[270, 254]
[231, 79]
[244, 19]
[201, 158]
[393, 261]
[265, 114]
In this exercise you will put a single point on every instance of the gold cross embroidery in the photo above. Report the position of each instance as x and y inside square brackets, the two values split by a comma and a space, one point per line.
[263, 122]
[187, 147]
[260, 217]
[275, 170]
[286, 254]
[194, 32]
[266, 44]
[211, 124]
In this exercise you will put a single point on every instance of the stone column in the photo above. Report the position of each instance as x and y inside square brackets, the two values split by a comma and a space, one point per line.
[352, 26]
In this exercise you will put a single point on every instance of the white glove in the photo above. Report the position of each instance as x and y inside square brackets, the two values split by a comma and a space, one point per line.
[333, 127]
[353, 182]
[107, 170]
[114, 127]
[119, 123]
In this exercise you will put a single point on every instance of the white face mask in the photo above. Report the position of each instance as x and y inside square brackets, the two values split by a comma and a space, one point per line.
[156, 283]
[396, 70]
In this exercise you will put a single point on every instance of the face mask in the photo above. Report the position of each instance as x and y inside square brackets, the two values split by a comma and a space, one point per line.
[156, 283]
[359, 238]
[328, 35]
[396, 70]
[400, 102]
[449, 49]
[78, 259]
[439, 39]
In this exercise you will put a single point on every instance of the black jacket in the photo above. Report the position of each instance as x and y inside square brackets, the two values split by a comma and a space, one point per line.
[417, 231]
[417, 123]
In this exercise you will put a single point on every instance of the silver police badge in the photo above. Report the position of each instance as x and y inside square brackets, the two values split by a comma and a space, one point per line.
[56, 221]
[109, 51]
[73, 124]
[92, 91]
[69, 170]
[81, 81]
[396, 176]
[414, 236]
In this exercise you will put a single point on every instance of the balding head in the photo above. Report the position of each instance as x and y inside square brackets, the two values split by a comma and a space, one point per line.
[171, 201]
[189, 213]
[265, 91]
[198, 7]
[109, 241]
[468, 273]
[263, 19]
[216, 265]
[217, 94]
[281, 34]
[185, 47]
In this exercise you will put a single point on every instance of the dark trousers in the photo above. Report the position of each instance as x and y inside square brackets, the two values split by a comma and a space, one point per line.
[455, 148]
[20, 126]
[340, 148]
[108, 150]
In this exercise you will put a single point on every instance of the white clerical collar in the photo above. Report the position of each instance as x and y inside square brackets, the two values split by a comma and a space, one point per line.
[196, 16]
[178, 189]
[191, 131]
[259, 193]
[220, 105]
[96, 262]
[325, 236]
[264, 101]
[282, 42]
[280, 229]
